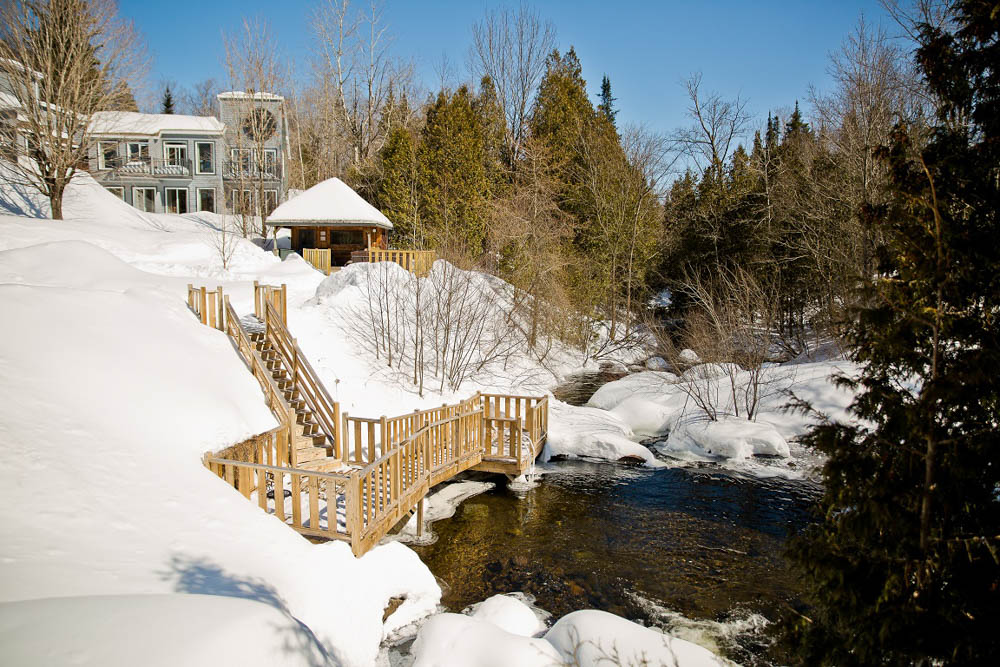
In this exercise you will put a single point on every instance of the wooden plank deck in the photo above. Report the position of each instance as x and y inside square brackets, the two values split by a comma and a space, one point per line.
[336, 476]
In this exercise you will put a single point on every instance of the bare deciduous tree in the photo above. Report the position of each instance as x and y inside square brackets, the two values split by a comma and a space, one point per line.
[255, 74]
[718, 125]
[63, 60]
[201, 99]
[510, 47]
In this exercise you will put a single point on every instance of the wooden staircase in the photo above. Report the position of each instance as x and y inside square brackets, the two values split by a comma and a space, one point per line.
[334, 476]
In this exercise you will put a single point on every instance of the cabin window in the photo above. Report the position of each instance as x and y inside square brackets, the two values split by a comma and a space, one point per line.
[117, 191]
[205, 151]
[144, 199]
[270, 201]
[138, 151]
[107, 152]
[206, 199]
[177, 200]
[347, 238]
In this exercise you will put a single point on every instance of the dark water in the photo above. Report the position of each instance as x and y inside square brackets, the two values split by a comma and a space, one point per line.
[578, 389]
[700, 541]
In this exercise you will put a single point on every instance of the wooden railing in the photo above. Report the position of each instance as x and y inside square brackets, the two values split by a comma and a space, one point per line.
[304, 378]
[320, 258]
[273, 394]
[418, 262]
[276, 296]
[268, 448]
[207, 305]
[316, 504]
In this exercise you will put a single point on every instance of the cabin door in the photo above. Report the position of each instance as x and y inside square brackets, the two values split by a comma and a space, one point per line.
[307, 238]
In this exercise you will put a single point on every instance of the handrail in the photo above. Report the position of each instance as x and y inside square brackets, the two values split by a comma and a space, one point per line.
[343, 477]
[304, 377]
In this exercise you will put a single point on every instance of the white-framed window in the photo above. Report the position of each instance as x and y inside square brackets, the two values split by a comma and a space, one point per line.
[241, 202]
[175, 153]
[241, 160]
[137, 151]
[270, 201]
[116, 190]
[268, 162]
[204, 155]
[144, 199]
[107, 154]
[206, 199]
[177, 200]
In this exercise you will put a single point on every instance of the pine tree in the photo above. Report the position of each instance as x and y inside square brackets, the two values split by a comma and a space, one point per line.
[167, 102]
[607, 105]
[903, 566]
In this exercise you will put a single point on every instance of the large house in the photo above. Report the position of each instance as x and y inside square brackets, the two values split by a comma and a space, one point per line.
[171, 163]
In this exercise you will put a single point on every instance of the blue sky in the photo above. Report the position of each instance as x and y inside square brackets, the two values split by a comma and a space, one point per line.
[768, 52]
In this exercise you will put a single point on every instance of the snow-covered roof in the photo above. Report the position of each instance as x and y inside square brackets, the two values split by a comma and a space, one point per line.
[131, 122]
[242, 95]
[328, 204]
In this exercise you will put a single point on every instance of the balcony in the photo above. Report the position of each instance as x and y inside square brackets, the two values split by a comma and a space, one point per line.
[242, 170]
[148, 167]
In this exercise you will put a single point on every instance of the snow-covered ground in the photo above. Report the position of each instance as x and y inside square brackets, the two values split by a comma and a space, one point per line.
[110, 393]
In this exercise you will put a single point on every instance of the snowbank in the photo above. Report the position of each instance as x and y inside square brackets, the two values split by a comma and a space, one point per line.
[111, 391]
[509, 614]
[167, 630]
[649, 384]
[591, 433]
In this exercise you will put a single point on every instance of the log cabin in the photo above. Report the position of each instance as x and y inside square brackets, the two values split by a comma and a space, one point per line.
[331, 216]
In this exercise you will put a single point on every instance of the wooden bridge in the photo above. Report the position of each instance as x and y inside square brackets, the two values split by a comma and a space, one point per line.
[332, 475]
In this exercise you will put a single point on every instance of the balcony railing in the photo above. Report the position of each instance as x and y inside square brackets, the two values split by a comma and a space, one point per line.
[242, 171]
[145, 167]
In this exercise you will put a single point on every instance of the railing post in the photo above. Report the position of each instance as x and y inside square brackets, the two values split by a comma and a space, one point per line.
[284, 304]
[338, 432]
[222, 311]
[256, 299]
[204, 305]
[345, 450]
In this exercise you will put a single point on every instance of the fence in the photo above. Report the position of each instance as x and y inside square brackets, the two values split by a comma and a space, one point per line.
[207, 305]
[418, 262]
[320, 258]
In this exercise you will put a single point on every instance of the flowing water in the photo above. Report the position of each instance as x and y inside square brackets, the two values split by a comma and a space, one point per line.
[696, 550]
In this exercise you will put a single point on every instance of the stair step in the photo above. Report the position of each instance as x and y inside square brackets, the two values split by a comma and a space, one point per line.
[310, 454]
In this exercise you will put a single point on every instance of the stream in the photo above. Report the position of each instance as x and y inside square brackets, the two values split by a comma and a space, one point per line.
[696, 550]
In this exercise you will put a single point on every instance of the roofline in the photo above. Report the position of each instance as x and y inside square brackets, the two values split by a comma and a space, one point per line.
[211, 133]
[325, 223]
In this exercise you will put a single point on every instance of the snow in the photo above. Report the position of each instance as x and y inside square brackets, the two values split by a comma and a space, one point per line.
[331, 201]
[645, 384]
[584, 432]
[729, 437]
[114, 630]
[509, 614]
[506, 633]
[129, 123]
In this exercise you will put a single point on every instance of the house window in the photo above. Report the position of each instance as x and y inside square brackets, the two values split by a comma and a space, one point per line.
[138, 151]
[269, 162]
[270, 201]
[347, 238]
[107, 152]
[144, 199]
[205, 155]
[177, 200]
[117, 191]
[242, 204]
[206, 199]
[175, 158]
[241, 159]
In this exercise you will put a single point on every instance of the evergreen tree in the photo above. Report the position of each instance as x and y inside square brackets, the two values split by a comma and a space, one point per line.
[607, 105]
[167, 101]
[903, 566]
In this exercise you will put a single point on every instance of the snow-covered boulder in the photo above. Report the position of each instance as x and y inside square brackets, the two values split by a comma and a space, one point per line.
[456, 640]
[646, 417]
[729, 437]
[647, 384]
[702, 372]
[510, 614]
[591, 638]
[592, 433]
[689, 356]
[657, 364]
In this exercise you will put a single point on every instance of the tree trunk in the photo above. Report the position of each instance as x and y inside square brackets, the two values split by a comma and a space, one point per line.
[56, 191]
